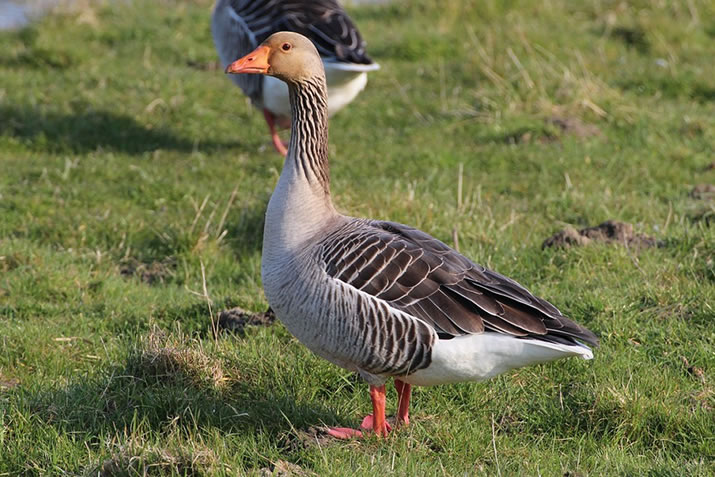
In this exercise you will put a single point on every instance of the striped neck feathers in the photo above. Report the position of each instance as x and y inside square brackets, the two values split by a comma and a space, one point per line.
[308, 146]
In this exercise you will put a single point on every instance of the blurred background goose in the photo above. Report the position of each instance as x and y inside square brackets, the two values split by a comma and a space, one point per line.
[239, 26]
[381, 298]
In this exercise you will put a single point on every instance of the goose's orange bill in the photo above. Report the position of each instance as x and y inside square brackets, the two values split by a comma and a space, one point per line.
[254, 62]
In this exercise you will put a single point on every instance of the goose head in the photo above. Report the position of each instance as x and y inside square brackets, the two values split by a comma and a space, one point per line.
[288, 56]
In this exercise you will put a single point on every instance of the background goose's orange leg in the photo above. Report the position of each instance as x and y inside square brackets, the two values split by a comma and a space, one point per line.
[277, 142]
[403, 402]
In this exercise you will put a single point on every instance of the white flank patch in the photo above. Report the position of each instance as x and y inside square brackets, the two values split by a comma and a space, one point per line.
[482, 356]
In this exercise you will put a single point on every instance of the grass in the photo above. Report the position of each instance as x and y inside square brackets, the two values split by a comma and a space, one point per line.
[133, 185]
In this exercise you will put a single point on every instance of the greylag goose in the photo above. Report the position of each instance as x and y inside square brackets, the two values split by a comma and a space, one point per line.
[381, 298]
[239, 26]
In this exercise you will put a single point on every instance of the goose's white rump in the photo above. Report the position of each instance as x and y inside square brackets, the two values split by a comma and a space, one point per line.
[481, 356]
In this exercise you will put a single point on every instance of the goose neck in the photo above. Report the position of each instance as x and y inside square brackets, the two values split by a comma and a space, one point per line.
[308, 147]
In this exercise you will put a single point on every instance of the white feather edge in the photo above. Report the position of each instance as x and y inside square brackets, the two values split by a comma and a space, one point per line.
[339, 65]
[481, 356]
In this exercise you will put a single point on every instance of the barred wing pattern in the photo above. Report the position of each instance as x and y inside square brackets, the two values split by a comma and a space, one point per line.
[423, 277]
[323, 21]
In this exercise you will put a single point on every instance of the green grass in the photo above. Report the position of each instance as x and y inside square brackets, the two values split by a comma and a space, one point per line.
[121, 146]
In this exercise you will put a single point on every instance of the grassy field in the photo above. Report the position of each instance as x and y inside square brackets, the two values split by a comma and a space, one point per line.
[133, 182]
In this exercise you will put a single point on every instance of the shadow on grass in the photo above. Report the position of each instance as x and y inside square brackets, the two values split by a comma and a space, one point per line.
[90, 131]
[137, 401]
[245, 233]
[23, 51]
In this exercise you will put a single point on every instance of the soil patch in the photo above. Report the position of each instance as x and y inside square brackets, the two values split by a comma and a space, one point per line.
[236, 319]
[610, 231]
[574, 126]
[8, 383]
[703, 192]
[150, 273]
[556, 127]
[703, 209]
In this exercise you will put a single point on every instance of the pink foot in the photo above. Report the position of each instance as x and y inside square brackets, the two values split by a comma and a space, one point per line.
[348, 433]
[368, 425]
[375, 422]
[343, 432]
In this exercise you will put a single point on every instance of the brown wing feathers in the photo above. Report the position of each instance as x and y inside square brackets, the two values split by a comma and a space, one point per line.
[422, 276]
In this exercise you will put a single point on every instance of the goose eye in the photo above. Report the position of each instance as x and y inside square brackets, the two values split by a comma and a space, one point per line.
[286, 46]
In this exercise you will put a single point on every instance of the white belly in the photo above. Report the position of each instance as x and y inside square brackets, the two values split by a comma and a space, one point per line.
[482, 356]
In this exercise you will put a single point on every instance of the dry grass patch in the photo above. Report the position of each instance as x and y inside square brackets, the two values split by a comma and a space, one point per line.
[282, 468]
[138, 458]
[163, 358]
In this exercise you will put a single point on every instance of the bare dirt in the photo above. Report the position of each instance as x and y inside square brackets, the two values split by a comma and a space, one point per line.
[703, 206]
[558, 127]
[236, 319]
[8, 383]
[151, 273]
[703, 192]
[574, 126]
[608, 232]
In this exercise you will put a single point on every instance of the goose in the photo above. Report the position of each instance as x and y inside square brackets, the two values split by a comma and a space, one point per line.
[380, 298]
[239, 26]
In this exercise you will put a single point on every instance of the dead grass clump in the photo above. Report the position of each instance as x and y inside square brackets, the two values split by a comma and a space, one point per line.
[11, 262]
[282, 468]
[137, 458]
[163, 358]
[608, 232]
[303, 439]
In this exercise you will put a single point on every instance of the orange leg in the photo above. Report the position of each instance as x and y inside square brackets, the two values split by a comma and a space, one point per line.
[379, 424]
[375, 421]
[403, 402]
[277, 142]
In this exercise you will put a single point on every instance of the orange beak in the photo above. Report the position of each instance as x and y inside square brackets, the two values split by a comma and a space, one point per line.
[254, 62]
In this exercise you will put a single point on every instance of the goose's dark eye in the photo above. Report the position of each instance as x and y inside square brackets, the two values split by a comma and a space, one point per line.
[286, 46]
